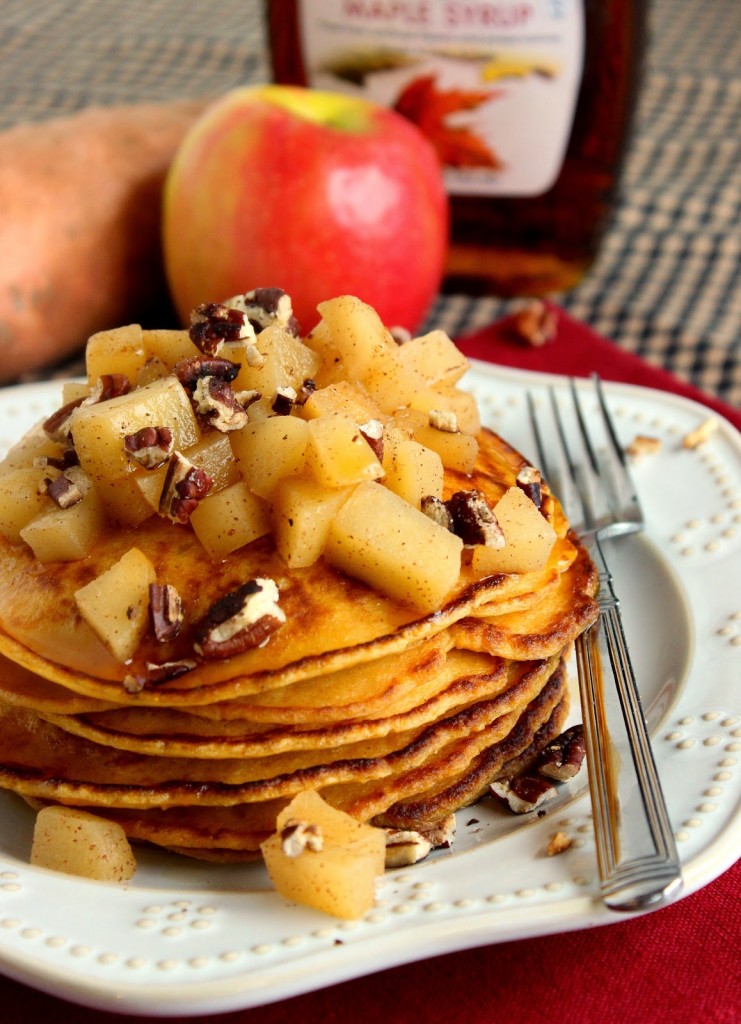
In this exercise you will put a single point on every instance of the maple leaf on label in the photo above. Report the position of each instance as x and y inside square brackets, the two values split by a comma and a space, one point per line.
[429, 108]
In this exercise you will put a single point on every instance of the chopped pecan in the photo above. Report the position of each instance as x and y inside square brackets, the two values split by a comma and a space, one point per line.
[66, 460]
[284, 401]
[401, 335]
[64, 491]
[165, 610]
[473, 520]
[108, 385]
[524, 793]
[306, 390]
[437, 510]
[297, 836]
[240, 620]
[442, 419]
[150, 446]
[58, 426]
[215, 401]
[265, 307]
[213, 323]
[185, 485]
[564, 756]
[372, 431]
[254, 356]
[700, 434]
[530, 482]
[405, 847]
[533, 322]
[643, 445]
[157, 673]
[190, 371]
[558, 843]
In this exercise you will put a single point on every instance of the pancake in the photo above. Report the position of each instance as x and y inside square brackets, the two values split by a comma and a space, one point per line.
[396, 708]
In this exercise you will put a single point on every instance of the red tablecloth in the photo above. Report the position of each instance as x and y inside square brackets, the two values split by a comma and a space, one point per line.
[678, 965]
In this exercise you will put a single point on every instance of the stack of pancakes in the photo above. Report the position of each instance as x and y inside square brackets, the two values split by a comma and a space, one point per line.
[395, 717]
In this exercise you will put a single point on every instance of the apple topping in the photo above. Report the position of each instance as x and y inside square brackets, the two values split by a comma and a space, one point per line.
[336, 445]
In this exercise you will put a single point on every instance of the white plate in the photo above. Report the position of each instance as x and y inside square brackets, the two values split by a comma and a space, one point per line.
[184, 938]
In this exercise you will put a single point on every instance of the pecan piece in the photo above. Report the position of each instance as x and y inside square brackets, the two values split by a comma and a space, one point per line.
[165, 611]
[442, 419]
[185, 485]
[442, 833]
[64, 490]
[533, 322]
[558, 843]
[563, 757]
[108, 385]
[284, 401]
[214, 323]
[297, 836]
[306, 390]
[372, 431]
[264, 307]
[524, 793]
[57, 426]
[190, 371]
[642, 445]
[436, 509]
[405, 847]
[240, 620]
[473, 520]
[530, 482]
[215, 401]
[150, 446]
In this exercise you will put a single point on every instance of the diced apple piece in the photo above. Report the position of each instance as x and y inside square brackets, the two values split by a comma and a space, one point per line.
[66, 534]
[99, 430]
[302, 512]
[229, 519]
[124, 501]
[434, 357]
[287, 362]
[337, 454]
[116, 603]
[154, 369]
[344, 398]
[270, 450]
[529, 538]
[457, 450]
[390, 382]
[357, 333]
[20, 500]
[119, 350]
[73, 390]
[450, 399]
[412, 471]
[339, 878]
[79, 843]
[169, 346]
[381, 539]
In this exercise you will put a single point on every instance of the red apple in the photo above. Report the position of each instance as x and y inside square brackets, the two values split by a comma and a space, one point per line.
[316, 193]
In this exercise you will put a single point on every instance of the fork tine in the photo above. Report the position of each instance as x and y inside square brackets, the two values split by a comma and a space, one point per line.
[628, 507]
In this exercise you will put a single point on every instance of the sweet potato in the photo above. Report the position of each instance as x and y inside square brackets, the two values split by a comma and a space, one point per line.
[80, 228]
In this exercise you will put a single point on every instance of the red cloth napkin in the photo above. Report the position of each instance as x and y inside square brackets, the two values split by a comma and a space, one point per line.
[678, 965]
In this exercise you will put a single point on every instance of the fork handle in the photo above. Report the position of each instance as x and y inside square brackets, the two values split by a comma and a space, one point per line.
[636, 853]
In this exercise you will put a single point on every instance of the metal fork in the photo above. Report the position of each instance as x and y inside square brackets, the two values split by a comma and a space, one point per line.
[636, 853]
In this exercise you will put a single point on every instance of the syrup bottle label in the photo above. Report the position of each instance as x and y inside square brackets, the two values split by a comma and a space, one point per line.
[492, 84]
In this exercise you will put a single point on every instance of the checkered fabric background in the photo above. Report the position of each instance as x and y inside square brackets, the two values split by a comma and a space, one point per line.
[667, 283]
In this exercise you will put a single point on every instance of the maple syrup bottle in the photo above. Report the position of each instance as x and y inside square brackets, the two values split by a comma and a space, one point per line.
[528, 104]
